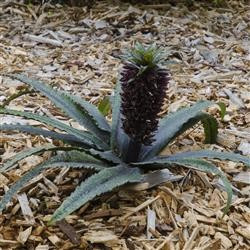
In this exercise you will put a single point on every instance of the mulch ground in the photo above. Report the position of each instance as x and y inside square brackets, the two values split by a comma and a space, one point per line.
[78, 50]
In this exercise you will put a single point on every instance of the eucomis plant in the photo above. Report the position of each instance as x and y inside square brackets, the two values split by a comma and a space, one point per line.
[126, 150]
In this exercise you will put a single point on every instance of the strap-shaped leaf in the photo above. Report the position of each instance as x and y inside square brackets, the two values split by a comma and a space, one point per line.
[84, 118]
[62, 164]
[67, 159]
[210, 125]
[74, 155]
[72, 158]
[172, 125]
[106, 155]
[66, 103]
[70, 139]
[104, 181]
[208, 167]
[123, 142]
[197, 164]
[210, 154]
[84, 136]
[119, 139]
[20, 183]
[105, 106]
[91, 111]
[11, 98]
[77, 157]
[116, 117]
[25, 153]
[223, 108]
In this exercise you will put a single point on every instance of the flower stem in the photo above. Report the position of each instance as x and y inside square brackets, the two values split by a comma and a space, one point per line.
[133, 151]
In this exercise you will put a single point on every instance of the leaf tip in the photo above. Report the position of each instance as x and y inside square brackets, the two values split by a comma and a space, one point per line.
[222, 107]
[51, 222]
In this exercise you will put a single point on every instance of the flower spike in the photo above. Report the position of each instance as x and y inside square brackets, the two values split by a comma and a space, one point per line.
[144, 85]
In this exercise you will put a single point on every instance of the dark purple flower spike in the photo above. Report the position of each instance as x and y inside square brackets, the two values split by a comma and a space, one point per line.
[144, 85]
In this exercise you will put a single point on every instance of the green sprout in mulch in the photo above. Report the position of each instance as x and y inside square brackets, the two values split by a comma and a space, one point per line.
[126, 150]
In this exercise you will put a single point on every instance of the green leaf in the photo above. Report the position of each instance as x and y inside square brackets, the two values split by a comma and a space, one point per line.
[223, 108]
[28, 152]
[92, 113]
[119, 139]
[210, 128]
[116, 105]
[21, 183]
[197, 164]
[25, 153]
[210, 154]
[104, 106]
[78, 156]
[63, 160]
[22, 92]
[72, 106]
[104, 181]
[209, 123]
[70, 139]
[123, 143]
[171, 126]
[62, 164]
[84, 136]
[144, 56]
[106, 155]
[208, 167]
[76, 159]
[116, 116]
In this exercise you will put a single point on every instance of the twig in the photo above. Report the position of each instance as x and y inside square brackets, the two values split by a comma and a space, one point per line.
[172, 217]
[41, 39]
[140, 207]
[188, 245]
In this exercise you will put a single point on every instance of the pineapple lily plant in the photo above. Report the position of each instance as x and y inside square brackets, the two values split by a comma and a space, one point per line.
[128, 148]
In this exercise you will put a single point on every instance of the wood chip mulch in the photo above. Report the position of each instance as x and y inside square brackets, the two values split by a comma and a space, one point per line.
[77, 49]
